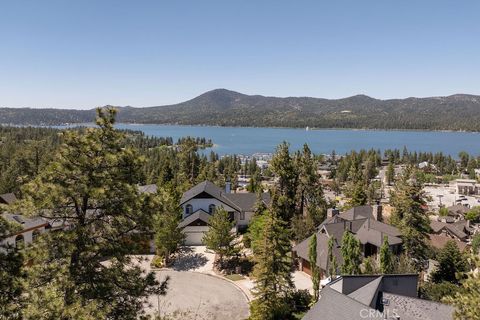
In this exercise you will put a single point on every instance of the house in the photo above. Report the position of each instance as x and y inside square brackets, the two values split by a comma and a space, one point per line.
[458, 211]
[200, 202]
[459, 230]
[7, 198]
[467, 187]
[448, 229]
[29, 229]
[376, 297]
[364, 222]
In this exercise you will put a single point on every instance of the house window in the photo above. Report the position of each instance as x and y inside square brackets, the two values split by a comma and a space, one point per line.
[242, 215]
[188, 209]
[211, 208]
[19, 241]
[35, 235]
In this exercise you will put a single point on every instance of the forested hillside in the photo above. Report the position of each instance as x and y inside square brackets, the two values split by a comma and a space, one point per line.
[228, 108]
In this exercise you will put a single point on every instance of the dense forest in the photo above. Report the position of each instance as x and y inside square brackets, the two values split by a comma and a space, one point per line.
[26, 151]
[228, 108]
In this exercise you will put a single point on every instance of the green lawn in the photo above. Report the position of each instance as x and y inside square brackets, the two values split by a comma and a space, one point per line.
[235, 277]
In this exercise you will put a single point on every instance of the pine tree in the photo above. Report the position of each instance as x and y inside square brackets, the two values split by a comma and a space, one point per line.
[332, 260]
[272, 272]
[168, 236]
[312, 255]
[91, 187]
[283, 167]
[450, 262]
[386, 257]
[390, 174]
[12, 276]
[310, 201]
[356, 187]
[467, 300]
[219, 236]
[409, 215]
[351, 254]
[369, 266]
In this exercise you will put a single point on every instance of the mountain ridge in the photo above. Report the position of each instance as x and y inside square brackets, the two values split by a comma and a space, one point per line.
[224, 107]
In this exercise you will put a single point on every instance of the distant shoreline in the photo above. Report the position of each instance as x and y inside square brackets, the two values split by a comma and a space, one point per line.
[256, 127]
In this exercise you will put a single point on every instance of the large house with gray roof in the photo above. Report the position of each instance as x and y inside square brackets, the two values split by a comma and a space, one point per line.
[390, 297]
[363, 222]
[28, 228]
[200, 202]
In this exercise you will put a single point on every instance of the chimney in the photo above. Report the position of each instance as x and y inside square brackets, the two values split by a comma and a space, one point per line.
[332, 212]
[377, 211]
[228, 186]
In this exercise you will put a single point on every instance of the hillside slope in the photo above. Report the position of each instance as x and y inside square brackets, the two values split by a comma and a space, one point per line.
[228, 108]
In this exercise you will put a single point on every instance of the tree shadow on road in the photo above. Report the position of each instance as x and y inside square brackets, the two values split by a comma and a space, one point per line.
[187, 259]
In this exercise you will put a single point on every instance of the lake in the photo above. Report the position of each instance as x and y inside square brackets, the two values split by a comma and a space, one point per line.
[246, 141]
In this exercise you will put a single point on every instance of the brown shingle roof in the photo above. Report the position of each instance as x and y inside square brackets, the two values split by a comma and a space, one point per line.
[439, 241]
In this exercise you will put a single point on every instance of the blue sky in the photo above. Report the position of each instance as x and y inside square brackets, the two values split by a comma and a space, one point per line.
[82, 54]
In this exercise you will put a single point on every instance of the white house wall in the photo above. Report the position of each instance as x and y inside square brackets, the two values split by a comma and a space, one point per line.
[27, 236]
[203, 204]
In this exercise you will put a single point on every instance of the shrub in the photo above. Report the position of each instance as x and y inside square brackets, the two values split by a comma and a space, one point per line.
[157, 262]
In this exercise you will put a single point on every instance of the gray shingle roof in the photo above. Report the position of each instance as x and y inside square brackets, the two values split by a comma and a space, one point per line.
[7, 198]
[246, 201]
[366, 230]
[357, 212]
[408, 308]
[369, 234]
[199, 214]
[367, 293]
[333, 305]
[322, 251]
[149, 188]
[452, 228]
[457, 209]
[209, 188]
[364, 302]
[239, 201]
[25, 222]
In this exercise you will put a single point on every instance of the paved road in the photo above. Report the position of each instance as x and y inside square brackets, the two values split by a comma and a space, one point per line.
[193, 295]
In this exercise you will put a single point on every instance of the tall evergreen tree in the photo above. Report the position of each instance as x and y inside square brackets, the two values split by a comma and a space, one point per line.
[409, 215]
[351, 254]
[467, 300]
[390, 173]
[91, 187]
[219, 236]
[310, 201]
[332, 260]
[386, 257]
[450, 262]
[312, 256]
[282, 165]
[12, 275]
[272, 272]
[168, 236]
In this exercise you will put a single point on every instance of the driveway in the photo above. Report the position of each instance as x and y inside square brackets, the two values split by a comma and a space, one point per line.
[195, 258]
[193, 295]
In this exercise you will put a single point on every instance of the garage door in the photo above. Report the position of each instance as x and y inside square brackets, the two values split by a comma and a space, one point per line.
[194, 235]
[193, 238]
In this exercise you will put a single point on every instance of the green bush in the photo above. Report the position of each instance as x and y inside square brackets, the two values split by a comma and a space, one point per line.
[157, 262]
[436, 291]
